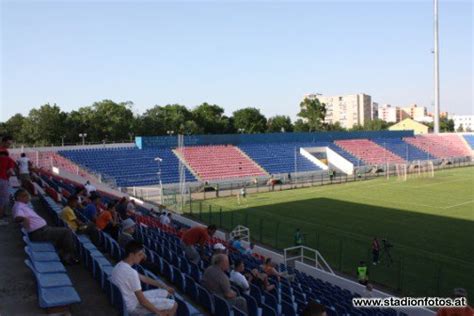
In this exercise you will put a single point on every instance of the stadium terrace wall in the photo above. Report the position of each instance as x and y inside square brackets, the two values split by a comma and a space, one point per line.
[144, 142]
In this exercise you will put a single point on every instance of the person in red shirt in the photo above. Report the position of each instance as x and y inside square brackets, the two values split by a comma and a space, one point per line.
[7, 169]
[196, 236]
[375, 251]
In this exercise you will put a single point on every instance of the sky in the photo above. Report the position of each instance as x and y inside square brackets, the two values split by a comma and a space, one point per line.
[264, 54]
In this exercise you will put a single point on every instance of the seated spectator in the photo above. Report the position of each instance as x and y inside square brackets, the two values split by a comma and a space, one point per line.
[260, 280]
[237, 244]
[77, 226]
[121, 208]
[107, 221]
[128, 281]
[197, 236]
[131, 207]
[314, 309]
[38, 230]
[68, 215]
[269, 269]
[90, 189]
[166, 219]
[216, 281]
[92, 208]
[126, 235]
[218, 249]
[82, 197]
[237, 278]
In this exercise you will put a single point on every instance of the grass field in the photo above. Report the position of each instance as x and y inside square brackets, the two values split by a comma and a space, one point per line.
[430, 221]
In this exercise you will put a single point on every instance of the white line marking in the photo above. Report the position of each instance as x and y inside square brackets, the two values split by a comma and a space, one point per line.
[458, 204]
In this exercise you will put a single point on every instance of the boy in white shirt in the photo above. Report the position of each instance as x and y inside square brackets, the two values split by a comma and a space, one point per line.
[128, 281]
[238, 278]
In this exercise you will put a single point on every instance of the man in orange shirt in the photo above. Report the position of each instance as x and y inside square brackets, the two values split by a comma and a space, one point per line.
[107, 221]
[196, 236]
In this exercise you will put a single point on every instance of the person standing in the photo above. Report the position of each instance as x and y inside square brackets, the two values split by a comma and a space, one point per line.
[298, 238]
[375, 251]
[362, 273]
[7, 169]
[24, 166]
[197, 236]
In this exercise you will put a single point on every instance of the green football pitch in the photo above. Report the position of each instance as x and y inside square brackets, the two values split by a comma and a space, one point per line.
[430, 222]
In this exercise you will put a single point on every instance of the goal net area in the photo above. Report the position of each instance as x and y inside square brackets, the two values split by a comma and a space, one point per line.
[415, 169]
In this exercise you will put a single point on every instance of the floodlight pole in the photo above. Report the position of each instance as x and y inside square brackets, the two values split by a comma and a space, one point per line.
[436, 69]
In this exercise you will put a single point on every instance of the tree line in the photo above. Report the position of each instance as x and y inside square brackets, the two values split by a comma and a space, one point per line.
[108, 121]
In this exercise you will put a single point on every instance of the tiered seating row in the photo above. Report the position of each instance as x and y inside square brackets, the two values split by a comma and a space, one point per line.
[470, 140]
[440, 146]
[403, 149]
[219, 162]
[278, 158]
[131, 166]
[369, 152]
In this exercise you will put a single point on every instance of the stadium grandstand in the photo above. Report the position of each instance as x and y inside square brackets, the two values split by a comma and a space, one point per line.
[217, 161]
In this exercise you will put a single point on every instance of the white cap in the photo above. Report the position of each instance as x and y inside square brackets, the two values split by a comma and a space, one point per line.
[219, 246]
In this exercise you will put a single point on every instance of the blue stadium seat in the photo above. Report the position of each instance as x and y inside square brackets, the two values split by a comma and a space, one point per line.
[205, 299]
[222, 308]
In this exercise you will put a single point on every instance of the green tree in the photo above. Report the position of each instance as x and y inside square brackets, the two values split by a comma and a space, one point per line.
[45, 126]
[279, 123]
[109, 121]
[314, 112]
[159, 120]
[301, 126]
[335, 127]
[211, 119]
[460, 129]
[445, 125]
[249, 120]
[376, 125]
[15, 128]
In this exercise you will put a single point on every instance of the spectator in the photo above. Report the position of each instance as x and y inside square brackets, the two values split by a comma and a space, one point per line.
[131, 207]
[7, 167]
[314, 309]
[298, 237]
[69, 216]
[238, 278]
[269, 269]
[196, 236]
[90, 189]
[92, 208]
[38, 230]
[215, 280]
[362, 273]
[24, 166]
[122, 208]
[107, 221]
[6, 143]
[166, 219]
[375, 251]
[237, 244]
[219, 249]
[457, 311]
[129, 281]
[126, 235]
[82, 198]
[260, 280]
